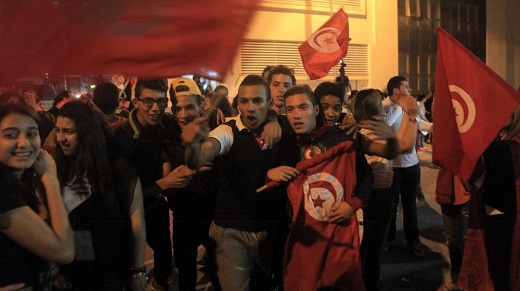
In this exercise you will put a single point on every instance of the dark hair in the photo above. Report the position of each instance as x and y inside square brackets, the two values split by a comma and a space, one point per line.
[367, 104]
[307, 91]
[394, 82]
[329, 88]
[8, 108]
[62, 95]
[252, 80]
[106, 97]
[223, 88]
[220, 101]
[28, 181]
[234, 104]
[160, 85]
[281, 69]
[267, 69]
[91, 158]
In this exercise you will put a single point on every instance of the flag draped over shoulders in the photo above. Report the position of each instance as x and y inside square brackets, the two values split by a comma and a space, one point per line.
[472, 103]
[326, 46]
[150, 38]
[319, 253]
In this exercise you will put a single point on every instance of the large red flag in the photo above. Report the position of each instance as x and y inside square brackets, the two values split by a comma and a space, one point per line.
[319, 253]
[150, 38]
[326, 46]
[472, 104]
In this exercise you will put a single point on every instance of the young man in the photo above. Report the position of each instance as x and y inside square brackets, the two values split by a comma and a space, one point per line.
[280, 79]
[193, 206]
[331, 96]
[106, 98]
[60, 99]
[244, 220]
[406, 169]
[332, 211]
[141, 141]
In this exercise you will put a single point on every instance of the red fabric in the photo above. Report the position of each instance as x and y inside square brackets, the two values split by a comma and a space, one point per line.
[474, 271]
[449, 189]
[467, 90]
[150, 38]
[318, 253]
[326, 46]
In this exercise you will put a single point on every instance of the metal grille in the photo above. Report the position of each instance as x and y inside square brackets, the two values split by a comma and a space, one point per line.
[355, 7]
[256, 54]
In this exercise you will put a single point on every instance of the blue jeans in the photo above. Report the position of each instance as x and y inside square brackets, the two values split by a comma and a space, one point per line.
[243, 258]
[405, 183]
[376, 217]
[455, 218]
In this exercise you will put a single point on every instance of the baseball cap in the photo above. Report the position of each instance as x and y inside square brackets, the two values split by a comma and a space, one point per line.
[185, 87]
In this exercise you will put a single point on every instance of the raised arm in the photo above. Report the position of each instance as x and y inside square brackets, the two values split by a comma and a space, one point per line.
[199, 148]
[54, 243]
[407, 132]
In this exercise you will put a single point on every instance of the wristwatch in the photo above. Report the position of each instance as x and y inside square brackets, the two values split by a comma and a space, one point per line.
[414, 119]
[137, 272]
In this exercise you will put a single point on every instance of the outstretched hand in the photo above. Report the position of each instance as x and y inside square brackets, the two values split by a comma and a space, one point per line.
[349, 124]
[195, 131]
[378, 128]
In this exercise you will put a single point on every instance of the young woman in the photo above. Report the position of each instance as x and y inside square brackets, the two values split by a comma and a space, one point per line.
[34, 227]
[377, 212]
[104, 204]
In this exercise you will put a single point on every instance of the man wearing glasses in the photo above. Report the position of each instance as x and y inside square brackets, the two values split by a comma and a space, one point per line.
[141, 140]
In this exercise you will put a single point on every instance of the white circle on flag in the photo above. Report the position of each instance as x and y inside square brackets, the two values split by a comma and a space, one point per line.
[464, 118]
[321, 192]
[325, 40]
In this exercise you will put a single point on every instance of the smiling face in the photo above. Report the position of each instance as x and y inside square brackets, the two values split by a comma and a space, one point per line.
[253, 104]
[150, 115]
[19, 142]
[67, 136]
[301, 113]
[187, 109]
[331, 108]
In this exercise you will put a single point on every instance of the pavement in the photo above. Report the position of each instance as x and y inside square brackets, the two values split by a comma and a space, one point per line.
[400, 270]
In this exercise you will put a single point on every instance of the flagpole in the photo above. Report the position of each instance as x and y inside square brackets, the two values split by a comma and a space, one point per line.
[332, 13]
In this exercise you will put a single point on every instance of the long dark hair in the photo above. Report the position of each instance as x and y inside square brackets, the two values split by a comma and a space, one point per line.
[91, 157]
[29, 180]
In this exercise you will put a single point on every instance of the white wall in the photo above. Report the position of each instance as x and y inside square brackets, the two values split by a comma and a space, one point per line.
[503, 39]
[378, 30]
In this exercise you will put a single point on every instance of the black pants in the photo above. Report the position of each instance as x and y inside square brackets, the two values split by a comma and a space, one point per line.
[376, 217]
[405, 182]
[188, 234]
[157, 221]
[499, 238]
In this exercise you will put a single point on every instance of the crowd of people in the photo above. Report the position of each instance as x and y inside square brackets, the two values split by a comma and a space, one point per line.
[89, 183]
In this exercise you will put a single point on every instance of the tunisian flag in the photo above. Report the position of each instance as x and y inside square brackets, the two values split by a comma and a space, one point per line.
[326, 46]
[319, 253]
[472, 104]
[151, 38]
